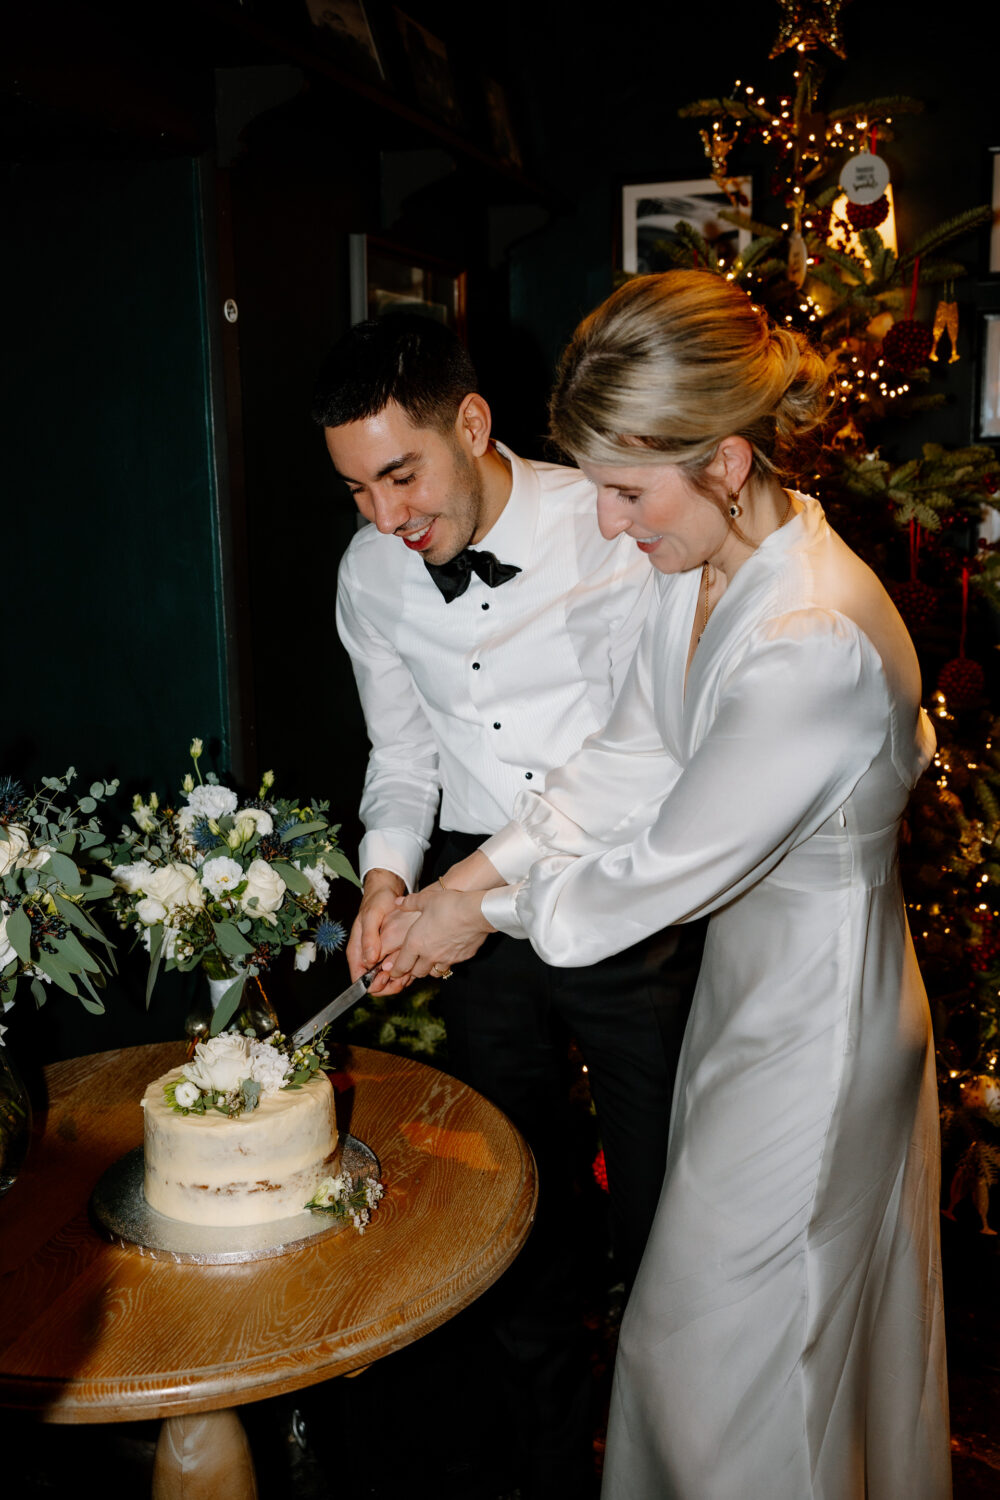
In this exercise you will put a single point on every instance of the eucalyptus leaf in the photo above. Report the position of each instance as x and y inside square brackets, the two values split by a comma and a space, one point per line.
[230, 940]
[228, 1005]
[64, 869]
[295, 879]
[155, 955]
[97, 789]
[50, 965]
[75, 955]
[87, 805]
[38, 991]
[95, 1004]
[4, 835]
[78, 918]
[19, 933]
[300, 830]
[338, 863]
[96, 887]
[244, 925]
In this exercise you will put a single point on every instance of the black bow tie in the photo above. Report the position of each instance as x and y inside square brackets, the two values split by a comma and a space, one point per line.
[452, 578]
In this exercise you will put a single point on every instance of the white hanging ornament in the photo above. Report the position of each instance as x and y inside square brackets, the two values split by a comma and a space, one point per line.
[796, 258]
[864, 177]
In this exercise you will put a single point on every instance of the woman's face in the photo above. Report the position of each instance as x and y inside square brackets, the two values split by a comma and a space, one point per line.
[668, 519]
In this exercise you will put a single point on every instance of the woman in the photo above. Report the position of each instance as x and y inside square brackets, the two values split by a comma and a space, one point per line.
[784, 1340]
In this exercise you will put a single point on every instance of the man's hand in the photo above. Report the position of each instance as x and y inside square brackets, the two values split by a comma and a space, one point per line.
[364, 946]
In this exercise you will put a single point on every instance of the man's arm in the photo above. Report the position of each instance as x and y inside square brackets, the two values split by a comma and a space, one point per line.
[401, 789]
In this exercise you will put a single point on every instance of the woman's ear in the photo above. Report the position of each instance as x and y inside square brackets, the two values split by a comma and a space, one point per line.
[732, 463]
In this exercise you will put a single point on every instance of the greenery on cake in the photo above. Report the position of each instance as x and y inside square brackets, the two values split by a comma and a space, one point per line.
[51, 845]
[212, 882]
[347, 1200]
[230, 1074]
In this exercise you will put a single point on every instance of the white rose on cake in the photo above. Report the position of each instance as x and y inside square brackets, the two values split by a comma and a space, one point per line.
[219, 1065]
[187, 1094]
[175, 885]
[265, 890]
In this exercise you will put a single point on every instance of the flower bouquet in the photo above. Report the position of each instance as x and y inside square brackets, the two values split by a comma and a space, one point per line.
[49, 849]
[225, 886]
[230, 1074]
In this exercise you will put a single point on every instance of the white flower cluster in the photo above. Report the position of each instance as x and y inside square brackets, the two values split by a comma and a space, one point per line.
[222, 1064]
[355, 1203]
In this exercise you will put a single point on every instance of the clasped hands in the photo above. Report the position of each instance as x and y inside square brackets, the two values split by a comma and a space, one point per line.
[412, 936]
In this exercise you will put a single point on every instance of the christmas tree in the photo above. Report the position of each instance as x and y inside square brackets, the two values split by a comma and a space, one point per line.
[830, 267]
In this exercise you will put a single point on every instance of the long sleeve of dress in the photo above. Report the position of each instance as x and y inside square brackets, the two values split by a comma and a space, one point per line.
[402, 787]
[798, 722]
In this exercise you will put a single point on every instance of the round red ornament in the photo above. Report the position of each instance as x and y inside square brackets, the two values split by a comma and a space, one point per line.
[917, 602]
[868, 215]
[962, 681]
[907, 345]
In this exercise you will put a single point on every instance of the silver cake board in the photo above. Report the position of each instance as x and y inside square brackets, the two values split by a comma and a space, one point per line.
[121, 1213]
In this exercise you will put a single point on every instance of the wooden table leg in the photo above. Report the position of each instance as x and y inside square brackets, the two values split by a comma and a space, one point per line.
[204, 1456]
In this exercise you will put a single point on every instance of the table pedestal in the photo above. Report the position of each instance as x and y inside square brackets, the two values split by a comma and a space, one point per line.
[203, 1456]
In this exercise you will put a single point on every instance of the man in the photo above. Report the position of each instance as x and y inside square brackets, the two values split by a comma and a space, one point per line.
[490, 627]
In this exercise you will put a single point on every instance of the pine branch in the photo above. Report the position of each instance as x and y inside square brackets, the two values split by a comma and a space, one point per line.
[951, 229]
[878, 109]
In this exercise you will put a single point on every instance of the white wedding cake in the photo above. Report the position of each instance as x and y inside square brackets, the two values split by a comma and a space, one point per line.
[229, 1141]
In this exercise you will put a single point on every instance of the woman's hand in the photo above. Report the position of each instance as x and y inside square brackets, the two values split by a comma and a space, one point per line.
[450, 928]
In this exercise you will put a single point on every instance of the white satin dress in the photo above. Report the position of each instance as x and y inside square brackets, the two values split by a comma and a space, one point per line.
[785, 1338]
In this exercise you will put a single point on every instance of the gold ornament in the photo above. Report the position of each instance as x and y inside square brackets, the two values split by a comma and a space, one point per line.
[946, 322]
[806, 24]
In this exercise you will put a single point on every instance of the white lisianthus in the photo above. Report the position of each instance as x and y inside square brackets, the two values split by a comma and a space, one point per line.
[175, 885]
[170, 936]
[143, 816]
[186, 1094]
[220, 1064]
[6, 950]
[305, 954]
[251, 820]
[212, 802]
[269, 1067]
[220, 875]
[264, 887]
[15, 847]
[317, 879]
[132, 878]
[150, 911]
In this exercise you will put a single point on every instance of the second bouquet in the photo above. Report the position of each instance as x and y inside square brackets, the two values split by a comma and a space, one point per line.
[224, 885]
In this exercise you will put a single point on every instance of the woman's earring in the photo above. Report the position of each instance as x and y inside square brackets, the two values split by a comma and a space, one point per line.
[735, 508]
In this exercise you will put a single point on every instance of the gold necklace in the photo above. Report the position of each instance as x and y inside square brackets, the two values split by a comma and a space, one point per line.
[706, 608]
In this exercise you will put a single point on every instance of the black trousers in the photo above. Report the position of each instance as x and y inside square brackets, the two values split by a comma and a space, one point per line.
[509, 1017]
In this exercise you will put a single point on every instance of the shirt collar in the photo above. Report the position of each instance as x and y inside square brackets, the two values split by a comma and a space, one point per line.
[512, 535]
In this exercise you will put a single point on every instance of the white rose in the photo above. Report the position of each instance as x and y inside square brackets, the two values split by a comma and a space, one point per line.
[221, 1064]
[150, 911]
[6, 951]
[269, 1067]
[305, 954]
[220, 875]
[264, 887]
[186, 1094]
[16, 845]
[317, 879]
[212, 802]
[132, 878]
[175, 885]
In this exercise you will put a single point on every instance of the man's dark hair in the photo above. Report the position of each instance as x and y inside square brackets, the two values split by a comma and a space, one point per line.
[417, 363]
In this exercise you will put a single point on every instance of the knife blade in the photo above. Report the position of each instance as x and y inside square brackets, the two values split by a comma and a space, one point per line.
[344, 1001]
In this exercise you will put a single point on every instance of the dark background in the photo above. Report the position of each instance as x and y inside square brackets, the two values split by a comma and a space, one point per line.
[171, 524]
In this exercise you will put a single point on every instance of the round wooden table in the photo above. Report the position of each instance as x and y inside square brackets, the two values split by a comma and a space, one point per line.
[94, 1332]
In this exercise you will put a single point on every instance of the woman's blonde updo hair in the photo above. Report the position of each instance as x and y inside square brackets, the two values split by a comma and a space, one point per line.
[670, 365]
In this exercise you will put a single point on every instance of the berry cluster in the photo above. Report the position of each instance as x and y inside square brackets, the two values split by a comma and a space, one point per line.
[44, 928]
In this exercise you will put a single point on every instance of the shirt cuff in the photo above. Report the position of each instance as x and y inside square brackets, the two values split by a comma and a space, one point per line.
[499, 907]
[393, 849]
[511, 852]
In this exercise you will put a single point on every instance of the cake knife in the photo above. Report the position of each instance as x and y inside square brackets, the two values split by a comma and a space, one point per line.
[344, 1001]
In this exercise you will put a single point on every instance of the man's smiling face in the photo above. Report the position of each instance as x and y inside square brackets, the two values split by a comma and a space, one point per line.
[421, 484]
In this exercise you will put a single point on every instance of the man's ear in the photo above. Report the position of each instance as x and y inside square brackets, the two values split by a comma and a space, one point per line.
[474, 424]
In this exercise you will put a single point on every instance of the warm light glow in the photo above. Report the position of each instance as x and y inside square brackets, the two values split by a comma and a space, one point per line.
[887, 229]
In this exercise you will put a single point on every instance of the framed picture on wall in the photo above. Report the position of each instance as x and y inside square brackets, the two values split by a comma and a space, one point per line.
[987, 423]
[346, 30]
[431, 77]
[388, 278]
[651, 211]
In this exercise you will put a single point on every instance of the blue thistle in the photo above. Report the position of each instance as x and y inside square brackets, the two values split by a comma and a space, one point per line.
[285, 828]
[330, 935]
[203, 838]
[12, 799]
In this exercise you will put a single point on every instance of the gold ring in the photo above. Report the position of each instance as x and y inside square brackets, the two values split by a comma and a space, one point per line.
[441, 973]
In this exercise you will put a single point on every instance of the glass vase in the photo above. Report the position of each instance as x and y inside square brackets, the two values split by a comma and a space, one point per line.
[255, 1012]
[15, 1120]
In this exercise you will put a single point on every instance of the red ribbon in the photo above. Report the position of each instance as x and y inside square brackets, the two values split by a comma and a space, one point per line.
[916, 281]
